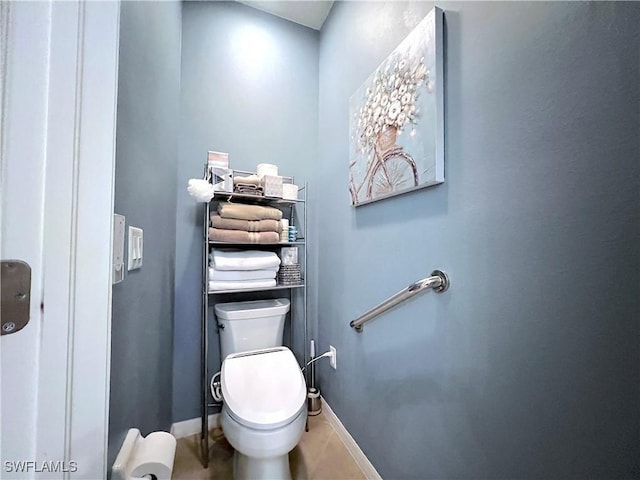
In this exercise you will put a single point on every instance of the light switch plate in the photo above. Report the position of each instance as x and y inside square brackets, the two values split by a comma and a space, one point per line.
[118, 248]
[135, 248]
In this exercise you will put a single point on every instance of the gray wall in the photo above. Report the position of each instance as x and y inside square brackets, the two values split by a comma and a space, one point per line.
[249, 88]
[145, 193]
[528, 367]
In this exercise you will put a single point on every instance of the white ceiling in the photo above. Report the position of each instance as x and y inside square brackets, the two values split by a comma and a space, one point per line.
[310, 13]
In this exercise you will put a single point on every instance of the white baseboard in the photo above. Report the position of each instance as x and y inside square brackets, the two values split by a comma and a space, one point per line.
[193, 426]
[358, 455]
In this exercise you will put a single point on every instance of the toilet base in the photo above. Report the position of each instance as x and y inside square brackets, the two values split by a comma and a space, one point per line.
[262, 454]
[246, 468]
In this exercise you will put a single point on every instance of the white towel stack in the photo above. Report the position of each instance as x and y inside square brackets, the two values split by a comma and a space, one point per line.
[242, 269]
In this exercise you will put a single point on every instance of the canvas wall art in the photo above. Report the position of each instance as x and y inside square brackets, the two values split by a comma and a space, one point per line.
[397, 119]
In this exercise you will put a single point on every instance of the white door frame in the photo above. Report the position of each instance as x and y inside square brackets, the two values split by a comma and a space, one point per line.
[75, 318]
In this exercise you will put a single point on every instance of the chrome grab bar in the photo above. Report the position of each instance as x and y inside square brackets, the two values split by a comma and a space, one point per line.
[438, 281]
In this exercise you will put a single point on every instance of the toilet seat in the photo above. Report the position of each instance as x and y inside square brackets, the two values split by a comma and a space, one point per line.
[263, 389]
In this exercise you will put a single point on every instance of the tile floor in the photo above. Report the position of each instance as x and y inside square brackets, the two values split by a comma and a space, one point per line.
[320, 455]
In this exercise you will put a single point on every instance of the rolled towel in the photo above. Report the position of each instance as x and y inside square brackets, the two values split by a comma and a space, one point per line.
[243, 259]
[236, 275]
[241, 284]
[247, 225]
[249, 180]
[240, 236]
[248, 212]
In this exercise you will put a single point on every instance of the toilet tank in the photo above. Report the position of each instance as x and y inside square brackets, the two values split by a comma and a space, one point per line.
[250, 325]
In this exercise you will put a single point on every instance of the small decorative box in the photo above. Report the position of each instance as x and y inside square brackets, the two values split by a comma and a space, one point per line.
[272, 186]
[289, 275]
[218, 159]
[289, 191]
[289, 256]
[221, 179]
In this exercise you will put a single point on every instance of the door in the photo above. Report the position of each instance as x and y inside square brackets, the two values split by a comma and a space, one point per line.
[23, 110]
[58, 79]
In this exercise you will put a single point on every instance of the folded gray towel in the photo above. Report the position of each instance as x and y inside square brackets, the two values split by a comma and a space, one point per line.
[247, 189]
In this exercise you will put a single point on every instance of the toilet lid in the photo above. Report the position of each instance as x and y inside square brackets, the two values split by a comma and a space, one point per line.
[263, 389]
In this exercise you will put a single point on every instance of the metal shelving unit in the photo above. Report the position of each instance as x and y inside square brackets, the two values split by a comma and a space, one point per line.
[295, 217]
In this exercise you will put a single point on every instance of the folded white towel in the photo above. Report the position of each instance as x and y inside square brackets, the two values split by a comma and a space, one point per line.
[244, 260]
[235, 275]
[240, 285]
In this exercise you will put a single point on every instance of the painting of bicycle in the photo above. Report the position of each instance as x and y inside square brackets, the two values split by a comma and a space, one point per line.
[397, 119]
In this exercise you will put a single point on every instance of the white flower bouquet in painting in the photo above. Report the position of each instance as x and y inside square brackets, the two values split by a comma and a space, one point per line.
[396, 119]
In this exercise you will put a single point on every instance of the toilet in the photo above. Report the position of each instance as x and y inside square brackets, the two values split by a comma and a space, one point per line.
[264, 392]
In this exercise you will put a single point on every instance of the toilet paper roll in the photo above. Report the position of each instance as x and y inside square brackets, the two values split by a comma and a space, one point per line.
[154, 455]
[266, 169]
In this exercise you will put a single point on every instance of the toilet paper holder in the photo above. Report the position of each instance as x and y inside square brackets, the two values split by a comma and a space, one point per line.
[149, 457]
